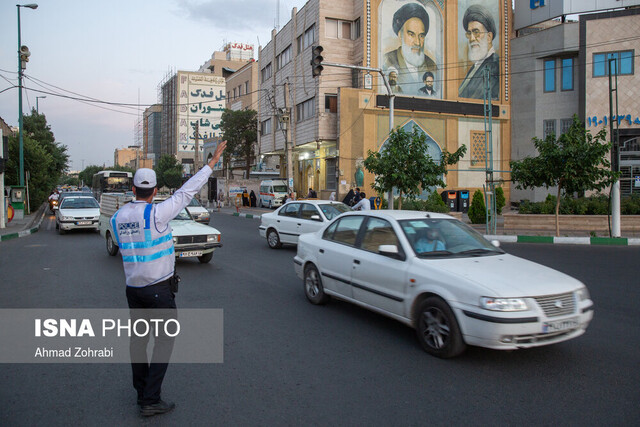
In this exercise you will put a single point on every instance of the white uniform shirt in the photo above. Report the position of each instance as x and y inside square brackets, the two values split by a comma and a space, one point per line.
[147, 249]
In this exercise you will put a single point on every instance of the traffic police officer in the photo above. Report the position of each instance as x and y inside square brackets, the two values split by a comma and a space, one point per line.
[144, 237]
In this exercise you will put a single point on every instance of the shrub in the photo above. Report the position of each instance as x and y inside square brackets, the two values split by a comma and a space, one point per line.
[477, 214]
[595, 205]
[500, 200]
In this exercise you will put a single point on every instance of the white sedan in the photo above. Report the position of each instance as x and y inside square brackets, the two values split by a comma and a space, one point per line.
[198, 212]
[77, 212]
[292, 219]
[439, 276]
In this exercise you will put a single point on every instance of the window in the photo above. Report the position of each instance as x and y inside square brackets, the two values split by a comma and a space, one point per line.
[246, 87]
[478, 149]
[265, 127]
[549, 128]
[300, 44]
[331, 103]
[345, 230]
[338, 29]
[567, 74]
[290, 210]
[623, 61]
[308, 211]
[550, 75]
[266, 72]
[305, 110]
[284, 58]
[235, 93]
[330, 170]
[309, 36]
[357, 29]
[240, 90]
[565, 124]
[378, 232]
[228, 94]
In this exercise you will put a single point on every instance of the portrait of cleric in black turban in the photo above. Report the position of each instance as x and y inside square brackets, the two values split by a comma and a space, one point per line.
[478, 47]
[410, 34]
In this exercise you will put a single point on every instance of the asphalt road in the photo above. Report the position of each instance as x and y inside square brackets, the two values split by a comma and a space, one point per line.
[287, 362]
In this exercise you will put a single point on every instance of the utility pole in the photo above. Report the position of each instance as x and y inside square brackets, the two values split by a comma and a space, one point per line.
[285, 119]
[615, 163]
[2, 201]
[490, 186]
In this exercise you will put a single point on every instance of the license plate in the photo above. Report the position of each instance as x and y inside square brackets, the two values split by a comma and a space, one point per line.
[84, 222]
[559, 325]
[189, 254]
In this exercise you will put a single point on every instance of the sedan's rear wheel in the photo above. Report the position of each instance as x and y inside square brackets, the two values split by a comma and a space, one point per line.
[313, 288]
[438, 330]
[273, 239]
[112, 248]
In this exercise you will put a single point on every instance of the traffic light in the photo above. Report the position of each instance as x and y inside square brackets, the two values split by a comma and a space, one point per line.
[316, 60]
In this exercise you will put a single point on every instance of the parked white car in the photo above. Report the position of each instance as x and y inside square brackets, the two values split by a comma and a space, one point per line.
[439, 276]
[198, 212]
[77, 212]
[292, 219]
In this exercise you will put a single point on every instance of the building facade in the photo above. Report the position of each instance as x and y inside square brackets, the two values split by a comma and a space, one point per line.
[433, 53]
[560, 69]
[152, 125]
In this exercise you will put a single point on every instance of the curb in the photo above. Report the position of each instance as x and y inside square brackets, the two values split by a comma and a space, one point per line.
[26, 232]
[243, 215]
[602, 241]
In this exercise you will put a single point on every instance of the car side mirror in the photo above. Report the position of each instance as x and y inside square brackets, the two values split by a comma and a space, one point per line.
[316, 217]
[496, 243]
[390, 251]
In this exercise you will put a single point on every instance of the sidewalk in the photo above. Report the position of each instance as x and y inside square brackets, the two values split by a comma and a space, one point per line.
[25, 226]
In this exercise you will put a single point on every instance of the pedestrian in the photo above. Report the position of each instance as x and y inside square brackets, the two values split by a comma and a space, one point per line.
[144, 237]
[356, 197]
[363, 205]
[332, 197]
[220, 199]
[253, 198]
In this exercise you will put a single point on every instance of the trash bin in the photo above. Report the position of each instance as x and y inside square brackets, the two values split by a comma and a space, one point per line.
[450, 198]
[463, 200]
[376, 203]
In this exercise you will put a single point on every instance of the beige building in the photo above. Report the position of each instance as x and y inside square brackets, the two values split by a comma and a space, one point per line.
[335, 119]
[131, 157]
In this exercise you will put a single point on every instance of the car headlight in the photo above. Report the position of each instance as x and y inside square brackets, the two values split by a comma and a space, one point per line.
[68, 218]
[503, 304]
[213, 238]
[583, 294]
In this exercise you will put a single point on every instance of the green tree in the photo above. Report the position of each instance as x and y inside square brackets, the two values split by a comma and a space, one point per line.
[44, 159]
[405, 164]
[240, 130]
[168, 172]
[500, 200]
[87, 173]
[574, 162]
[477, 210]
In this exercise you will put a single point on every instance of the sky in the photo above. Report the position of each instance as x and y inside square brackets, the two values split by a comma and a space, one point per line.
[116, 51]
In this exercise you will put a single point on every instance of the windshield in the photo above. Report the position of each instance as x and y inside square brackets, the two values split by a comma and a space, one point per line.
[183, 215]
[79, 203]
[194, 202]
[332, 210]
[280, 189]
[444, 237]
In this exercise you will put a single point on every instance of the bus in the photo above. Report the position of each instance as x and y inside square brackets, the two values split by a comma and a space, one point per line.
[111, 182]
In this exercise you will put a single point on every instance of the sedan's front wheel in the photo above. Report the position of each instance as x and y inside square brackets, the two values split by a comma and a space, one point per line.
[438, 330]
[313, 288]
[205, 258]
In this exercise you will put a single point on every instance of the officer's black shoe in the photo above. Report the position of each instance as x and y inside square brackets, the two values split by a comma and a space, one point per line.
[161, 407]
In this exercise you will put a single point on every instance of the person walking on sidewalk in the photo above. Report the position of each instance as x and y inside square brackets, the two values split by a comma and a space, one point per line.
[144, 237]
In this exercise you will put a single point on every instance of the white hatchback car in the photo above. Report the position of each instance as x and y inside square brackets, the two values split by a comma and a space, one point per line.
[292, 219]
[198, 212]
[77, 212]
[441, 277]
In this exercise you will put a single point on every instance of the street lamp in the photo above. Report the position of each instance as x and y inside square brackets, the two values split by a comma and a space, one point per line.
[23, 56]
[38, 97]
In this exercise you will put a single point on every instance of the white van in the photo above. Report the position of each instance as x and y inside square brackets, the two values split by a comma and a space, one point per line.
[272, 191]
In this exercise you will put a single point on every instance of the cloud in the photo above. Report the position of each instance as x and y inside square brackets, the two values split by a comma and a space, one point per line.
[236, 15]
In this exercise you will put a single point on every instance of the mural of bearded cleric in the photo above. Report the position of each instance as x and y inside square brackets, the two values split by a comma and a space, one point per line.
[480, 31]
[410, 24]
